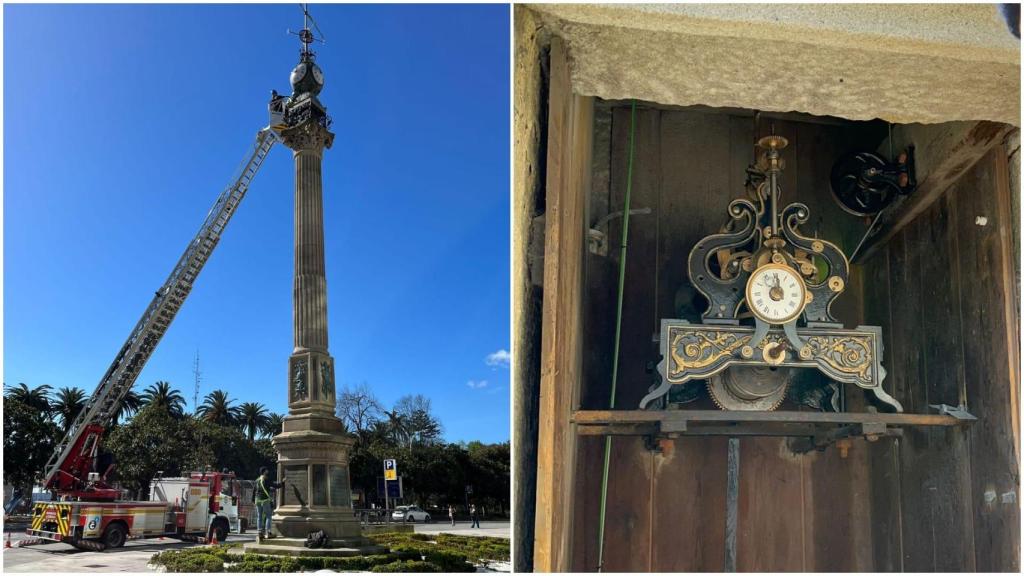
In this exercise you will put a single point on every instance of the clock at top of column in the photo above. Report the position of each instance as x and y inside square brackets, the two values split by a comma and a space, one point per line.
[300, 119]
[307, 77]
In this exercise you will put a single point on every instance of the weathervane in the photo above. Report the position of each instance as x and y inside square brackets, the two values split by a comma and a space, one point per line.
[306, 35]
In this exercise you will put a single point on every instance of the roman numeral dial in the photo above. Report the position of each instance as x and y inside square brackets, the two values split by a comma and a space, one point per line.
[776, 293]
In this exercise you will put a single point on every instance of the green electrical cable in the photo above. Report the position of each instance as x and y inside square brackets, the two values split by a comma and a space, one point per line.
[618, 335]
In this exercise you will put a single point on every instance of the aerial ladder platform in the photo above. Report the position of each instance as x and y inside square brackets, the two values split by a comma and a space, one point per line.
[69, 472]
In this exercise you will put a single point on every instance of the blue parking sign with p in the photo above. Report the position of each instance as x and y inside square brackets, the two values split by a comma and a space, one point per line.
[390, 470]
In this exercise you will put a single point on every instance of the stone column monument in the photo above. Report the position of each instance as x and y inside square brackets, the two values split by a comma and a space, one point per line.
[312, 448]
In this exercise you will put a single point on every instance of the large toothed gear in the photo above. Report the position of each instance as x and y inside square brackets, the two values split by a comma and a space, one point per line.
[750, 387]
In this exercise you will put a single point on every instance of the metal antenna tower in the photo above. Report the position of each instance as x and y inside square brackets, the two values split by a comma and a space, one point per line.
[197, 375]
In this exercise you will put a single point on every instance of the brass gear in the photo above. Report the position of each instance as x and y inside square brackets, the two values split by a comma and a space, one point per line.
[750, 388]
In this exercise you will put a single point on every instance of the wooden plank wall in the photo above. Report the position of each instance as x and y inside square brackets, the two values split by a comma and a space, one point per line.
[943, 291]
[570, 129]
[666, 509]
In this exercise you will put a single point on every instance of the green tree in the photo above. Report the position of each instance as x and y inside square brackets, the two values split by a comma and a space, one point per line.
[253, 417]
[30, 436]
[129, 406]
[217, 447]
[153, 441]
[490, 472]
[424, 428]
[161, 394]
[397, 426]
[272, 427]
[418, 423]
[37, 398]
[67, 404]
[217, 408]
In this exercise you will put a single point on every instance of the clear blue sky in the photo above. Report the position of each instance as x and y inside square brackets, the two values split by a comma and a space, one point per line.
[122, 124]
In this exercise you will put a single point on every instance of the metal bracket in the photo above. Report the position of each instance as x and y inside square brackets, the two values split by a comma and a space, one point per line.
[597, 237]
[959, 412]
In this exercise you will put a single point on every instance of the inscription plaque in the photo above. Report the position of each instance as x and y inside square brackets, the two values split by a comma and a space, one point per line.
[320, 484]
[296, 486]
[341, 495]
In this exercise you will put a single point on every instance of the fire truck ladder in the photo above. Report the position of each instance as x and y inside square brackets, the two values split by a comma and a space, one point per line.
[121, 375]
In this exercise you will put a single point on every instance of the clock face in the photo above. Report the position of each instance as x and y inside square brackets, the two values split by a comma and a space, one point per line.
[318, 75]
[776, 293]
[298, 73]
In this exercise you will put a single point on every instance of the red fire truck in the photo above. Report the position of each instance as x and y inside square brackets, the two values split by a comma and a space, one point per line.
[203, 505]
[88, 511]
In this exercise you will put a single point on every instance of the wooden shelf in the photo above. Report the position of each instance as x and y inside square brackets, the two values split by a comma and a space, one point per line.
[822, 428]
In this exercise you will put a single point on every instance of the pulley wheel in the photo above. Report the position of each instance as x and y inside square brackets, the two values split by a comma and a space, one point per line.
[852, 188]
[750, 387]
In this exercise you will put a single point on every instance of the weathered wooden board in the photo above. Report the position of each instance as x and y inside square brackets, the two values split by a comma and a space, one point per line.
[990, 340]
[883, 455]
[948, 460]
[638, 305]
[906, 370]
[701, 168]
[689, 483]
[908, 504]
[952, 337]
[570, 127]
[771, 524]
[689, 474]
[627, 544]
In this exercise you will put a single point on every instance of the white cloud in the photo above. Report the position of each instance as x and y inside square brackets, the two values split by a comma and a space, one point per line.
[477, 384]
[499, 358]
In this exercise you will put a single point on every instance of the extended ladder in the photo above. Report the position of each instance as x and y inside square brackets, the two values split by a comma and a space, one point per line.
[121, 375]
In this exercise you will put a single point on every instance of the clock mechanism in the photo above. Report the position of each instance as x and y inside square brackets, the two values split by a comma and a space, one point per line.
[768, 332]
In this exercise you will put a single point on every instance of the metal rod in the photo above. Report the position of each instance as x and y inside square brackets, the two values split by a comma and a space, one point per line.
[618, 336]
[732, 497]
[602, 417]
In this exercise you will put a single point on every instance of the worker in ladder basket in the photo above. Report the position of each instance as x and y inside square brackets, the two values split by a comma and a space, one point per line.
[263, 497]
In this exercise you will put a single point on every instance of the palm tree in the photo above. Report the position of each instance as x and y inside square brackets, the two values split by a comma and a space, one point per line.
[161, 394]
[217, 408]
[273, 424]
[130, 404]
[398, 427]
[68, 403]
[253, 417]
[38, 397]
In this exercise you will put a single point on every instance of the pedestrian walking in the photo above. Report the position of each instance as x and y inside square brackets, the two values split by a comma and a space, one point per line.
[264, 502]
[475, 516]
[451, 513]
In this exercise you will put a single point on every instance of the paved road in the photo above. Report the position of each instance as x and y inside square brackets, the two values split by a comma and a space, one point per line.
[136, 553]
[499, 529]
[63, 558]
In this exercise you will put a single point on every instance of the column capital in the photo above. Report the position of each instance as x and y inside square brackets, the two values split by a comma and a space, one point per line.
[307, 137]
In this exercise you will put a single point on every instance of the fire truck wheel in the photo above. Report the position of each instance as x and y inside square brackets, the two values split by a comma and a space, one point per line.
[115, 535]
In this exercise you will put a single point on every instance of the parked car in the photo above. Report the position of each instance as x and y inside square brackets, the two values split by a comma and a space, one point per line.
[410, 514]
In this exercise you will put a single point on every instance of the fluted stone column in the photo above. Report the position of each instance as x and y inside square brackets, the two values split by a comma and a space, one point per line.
[313, 450]
[310, 297]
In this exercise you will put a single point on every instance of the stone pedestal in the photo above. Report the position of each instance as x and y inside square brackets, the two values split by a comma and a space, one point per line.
[313, 460]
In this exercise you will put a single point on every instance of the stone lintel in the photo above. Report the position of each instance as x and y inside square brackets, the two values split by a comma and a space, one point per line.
[900, 63]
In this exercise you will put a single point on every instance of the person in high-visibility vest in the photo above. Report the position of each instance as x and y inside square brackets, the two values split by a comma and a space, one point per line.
[265, 501]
